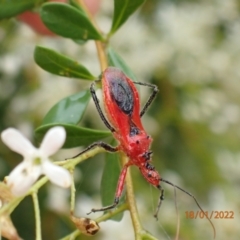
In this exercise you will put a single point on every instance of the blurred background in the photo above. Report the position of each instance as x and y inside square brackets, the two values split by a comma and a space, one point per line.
[191, 50]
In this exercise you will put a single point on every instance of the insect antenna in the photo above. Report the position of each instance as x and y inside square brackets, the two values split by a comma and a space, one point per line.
[178, 219]
[189, 194]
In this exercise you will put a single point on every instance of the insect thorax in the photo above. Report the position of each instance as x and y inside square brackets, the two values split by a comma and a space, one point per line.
[137, 147]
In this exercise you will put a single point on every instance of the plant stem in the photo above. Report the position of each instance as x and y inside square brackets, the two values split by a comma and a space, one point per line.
[101, 55]
[37, 215]
[99, 45]
[104, 217]
[73, 191]
[8, 208]
[131, 202]
[70, 163]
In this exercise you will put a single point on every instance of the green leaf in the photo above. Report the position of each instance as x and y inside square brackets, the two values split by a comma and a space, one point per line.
[116, 61]
[10, 8]
[76, 136]
[69, 110]
[61, 65]
[109, 181]
[123, 9]
[76, 4]
[68, 21]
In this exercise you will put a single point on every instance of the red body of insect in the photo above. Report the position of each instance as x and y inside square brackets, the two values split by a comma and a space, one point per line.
[122, 106]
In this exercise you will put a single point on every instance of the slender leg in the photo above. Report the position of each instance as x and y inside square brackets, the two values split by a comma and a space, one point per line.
[151, 98]
[104, 145]
[189, 194]
[95, 99]
[118, 193]
[161, 198]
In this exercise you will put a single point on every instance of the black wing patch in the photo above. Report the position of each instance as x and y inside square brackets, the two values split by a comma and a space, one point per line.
[122, 94]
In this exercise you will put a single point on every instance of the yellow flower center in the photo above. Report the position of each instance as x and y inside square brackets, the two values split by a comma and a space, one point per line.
[37, 161]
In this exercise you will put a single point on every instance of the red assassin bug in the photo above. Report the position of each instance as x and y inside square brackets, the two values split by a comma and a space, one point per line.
[122, 107]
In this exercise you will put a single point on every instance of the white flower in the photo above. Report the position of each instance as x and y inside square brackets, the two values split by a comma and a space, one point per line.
[36, 161]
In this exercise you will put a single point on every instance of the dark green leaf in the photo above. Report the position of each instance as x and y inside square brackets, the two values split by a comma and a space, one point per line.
[116, 61]
[69, 110]
[123, 9]
[109, 181]
[58, 64]
[68, 21]
[76, 136]
[10, 8]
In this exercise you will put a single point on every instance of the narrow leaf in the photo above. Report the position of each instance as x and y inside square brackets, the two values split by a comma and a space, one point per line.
[76, 136]
[123, 9]
[69, 110]
[11, 8]
[61, 65]
[68, 21]
[116, 61]
[109, 181]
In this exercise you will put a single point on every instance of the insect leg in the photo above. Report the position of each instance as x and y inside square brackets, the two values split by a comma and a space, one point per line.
[103, 145]
[151, 98]
[161, 198]
[95, 99]
[118, 193]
